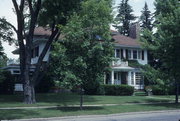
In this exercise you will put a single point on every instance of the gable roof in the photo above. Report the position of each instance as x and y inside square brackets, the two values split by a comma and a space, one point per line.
[121, 40]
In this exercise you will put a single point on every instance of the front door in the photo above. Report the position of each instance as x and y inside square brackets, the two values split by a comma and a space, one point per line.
[123, 77]
[117, 78]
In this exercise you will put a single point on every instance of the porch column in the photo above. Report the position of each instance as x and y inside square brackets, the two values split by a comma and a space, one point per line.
[104, 78]
[129, 78]
[112, 77]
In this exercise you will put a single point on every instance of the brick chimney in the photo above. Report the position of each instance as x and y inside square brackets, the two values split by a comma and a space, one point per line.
[134, 30]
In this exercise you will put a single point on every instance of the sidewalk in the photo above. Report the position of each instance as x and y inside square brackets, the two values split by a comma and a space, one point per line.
[95, 105]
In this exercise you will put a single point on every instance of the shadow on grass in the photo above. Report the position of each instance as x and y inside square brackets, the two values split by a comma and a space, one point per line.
[165, 105]
[150, 100]
[74, 109]
[16, 114]
[50, 98]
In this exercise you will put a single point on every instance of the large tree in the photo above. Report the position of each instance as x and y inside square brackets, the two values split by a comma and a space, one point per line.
[167, 44]
[27, 12]
[124, 17]
[86, 50]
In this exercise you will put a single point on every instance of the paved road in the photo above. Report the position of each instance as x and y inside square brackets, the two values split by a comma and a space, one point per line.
[171, 115]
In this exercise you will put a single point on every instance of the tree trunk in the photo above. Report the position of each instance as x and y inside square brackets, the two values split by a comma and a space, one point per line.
[177, 92]
[81, 98]
[29, 93]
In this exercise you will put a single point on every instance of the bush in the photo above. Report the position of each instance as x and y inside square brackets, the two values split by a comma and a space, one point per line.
[118, 90]
[7, 83]
[45, 84]
[157, 90]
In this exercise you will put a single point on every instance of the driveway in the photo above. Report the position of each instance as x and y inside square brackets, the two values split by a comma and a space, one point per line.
[170, 115]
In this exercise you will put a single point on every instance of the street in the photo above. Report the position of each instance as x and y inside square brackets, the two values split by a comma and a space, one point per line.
[171, 115]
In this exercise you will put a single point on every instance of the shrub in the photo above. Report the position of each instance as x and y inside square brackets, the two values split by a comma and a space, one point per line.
[118, 90]
[157, 90]
[7, 83]
[45, 84]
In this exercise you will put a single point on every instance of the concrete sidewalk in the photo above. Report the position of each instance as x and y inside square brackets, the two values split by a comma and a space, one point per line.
[90, 117]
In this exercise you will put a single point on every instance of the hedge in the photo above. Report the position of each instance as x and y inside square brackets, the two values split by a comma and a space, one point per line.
[118, 90]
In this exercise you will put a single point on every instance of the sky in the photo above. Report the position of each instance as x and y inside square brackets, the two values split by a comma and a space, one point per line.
[6, 10]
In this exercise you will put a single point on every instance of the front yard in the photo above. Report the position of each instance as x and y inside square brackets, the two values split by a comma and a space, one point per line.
[67, 105]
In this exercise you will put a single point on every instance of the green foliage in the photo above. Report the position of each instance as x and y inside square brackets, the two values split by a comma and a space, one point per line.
[167, 35]
[124, 17]
[45, 84]
[57, 11]
[146, 18]
[118, 90]
[134, 63]
[6, 31]
[7, 83]
[83, 55]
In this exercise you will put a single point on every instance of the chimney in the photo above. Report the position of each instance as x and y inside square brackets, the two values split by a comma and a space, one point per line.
[134, 30]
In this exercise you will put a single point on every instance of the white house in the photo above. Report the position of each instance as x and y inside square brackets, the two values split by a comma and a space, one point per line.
[127, 50]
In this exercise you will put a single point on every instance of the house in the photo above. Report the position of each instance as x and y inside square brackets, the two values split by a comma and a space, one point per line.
[126, 49]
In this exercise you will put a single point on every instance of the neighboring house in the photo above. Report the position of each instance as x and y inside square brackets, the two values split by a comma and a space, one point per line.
[40, 37]
[125, 48]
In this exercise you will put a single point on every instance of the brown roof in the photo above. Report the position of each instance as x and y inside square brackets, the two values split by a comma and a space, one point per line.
[126, 41]
[42, 31]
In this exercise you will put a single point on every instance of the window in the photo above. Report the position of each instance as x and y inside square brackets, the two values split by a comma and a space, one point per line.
[37, 51]
[126, 53]
[129, 54]
[139, 54]
[142, 55]
[117, 51]
[132, 78]
[138, 78]
[134, 54]
[122, 56]
[115, 75]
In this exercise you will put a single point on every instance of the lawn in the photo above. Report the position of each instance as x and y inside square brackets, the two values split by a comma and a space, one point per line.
[75, 111]
[63, 99]
[124, 104]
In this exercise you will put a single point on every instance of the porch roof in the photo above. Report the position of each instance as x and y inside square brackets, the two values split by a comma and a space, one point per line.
[122, 68]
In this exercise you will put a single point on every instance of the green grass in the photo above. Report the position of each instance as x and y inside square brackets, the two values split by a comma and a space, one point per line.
[73, 99]
[57, 112]
[52, 99]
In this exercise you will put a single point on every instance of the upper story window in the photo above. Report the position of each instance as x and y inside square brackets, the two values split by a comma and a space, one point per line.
[35, 52]
[117, 53]
[129, 54]
[139, 54]
[134, 54]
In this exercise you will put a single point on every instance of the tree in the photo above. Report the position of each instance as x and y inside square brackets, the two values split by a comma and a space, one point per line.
[27, 12]
[166, 38]
[146, 20]
[86, 50]
[124, 17]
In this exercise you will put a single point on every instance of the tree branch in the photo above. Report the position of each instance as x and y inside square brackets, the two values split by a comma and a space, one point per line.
[21, 7]
[9, 24]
